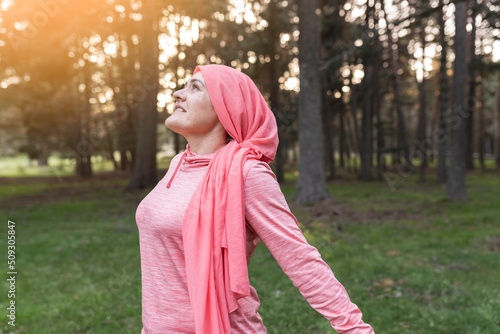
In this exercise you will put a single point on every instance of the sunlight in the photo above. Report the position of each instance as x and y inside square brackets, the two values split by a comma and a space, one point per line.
[177, 30]
[358, 74]
[6, 4]
[290, 79]
[496, 51]
[110, 48]
[292, 83]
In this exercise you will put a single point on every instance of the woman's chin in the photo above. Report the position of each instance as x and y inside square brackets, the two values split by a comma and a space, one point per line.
[170, 123]
[173, 125]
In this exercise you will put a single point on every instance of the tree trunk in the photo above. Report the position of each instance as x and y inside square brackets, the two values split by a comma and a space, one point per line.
[354, 111]
[329, 136]
[274, 88]
[480, 113]
[471, 100]
[497, 129]
[145, 163]
[311, 184]
[327, 103]
[422, 118]
[440, 137]
[43, 153]
[126, 112]
[353, 136]
[434, 119]
[110, 146]
[366, 127]
[342, 134]
[83, 147]
[422, 123]
[457, 189]
[366, 147]
[120, 106]
[402, 133]
[124, 163]
[377, 101]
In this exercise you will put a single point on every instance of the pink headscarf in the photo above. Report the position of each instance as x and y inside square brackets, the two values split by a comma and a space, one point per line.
[214, 224]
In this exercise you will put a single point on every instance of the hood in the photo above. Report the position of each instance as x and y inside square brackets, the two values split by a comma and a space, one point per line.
[190, 160]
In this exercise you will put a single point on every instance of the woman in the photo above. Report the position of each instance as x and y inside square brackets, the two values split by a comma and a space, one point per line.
[199, 226]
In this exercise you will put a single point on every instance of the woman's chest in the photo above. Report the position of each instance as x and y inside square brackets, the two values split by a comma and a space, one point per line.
[161, 212]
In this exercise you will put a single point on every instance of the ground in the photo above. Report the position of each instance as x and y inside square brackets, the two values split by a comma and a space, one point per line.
[411, 260]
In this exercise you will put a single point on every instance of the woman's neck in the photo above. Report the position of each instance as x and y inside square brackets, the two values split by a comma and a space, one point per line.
[206, 144]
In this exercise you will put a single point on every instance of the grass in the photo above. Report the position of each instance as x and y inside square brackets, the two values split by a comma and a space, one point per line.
[19, 166]
[411, 260]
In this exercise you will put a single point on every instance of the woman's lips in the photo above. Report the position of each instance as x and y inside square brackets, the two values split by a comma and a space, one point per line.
[179, 108]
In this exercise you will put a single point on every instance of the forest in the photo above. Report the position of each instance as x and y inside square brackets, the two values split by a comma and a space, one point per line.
[389, 88]
[388, 114]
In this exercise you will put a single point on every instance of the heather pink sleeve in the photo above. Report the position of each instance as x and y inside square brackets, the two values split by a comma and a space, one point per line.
[268, 215]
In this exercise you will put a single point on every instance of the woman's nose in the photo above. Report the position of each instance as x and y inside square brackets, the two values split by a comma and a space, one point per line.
[178, 94]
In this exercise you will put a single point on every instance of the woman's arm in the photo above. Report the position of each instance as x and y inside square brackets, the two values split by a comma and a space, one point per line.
[268, 215]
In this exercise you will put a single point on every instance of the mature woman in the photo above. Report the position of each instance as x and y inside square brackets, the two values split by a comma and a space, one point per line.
[200, 225]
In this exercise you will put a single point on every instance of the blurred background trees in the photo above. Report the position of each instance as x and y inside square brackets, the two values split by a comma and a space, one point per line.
[405, 87]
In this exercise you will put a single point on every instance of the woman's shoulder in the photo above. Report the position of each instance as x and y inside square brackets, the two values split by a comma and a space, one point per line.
[175, 160]
[257, 170]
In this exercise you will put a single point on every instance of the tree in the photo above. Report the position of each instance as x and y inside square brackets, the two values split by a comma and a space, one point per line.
[366, 145]
[457, 189]
[441, 133]
[266, 44]
[497, 130]
[145, 163]
[402, 130]
[422, 117]
[471, 99]
[311, 184]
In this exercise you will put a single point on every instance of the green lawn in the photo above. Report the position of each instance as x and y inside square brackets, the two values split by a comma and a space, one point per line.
[411, 260]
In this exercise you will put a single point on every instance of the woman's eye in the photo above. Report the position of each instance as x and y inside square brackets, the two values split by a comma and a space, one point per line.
[196, 87]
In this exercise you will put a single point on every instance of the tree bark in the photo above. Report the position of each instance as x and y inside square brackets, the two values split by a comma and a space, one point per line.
[124, 163]
[457, 189]
[471, 99]
[356, 145]
[145, 163]
[441, 134]
[329, 143]
[43, 153]
[366, 147]
[110, 146]
[274, 88]
[434, 120]
[366, 150]
[342, 134]
[377, 100]
[311, 183]
[497, 130]
[481, 142]
[125, 132]
[402, 132]
[422, 118]
[354, 137]
[83, 147]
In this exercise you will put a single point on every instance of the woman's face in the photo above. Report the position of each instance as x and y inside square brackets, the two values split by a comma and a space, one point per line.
[194, 113]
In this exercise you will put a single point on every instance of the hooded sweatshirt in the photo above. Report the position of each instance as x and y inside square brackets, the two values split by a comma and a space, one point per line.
[166, 304]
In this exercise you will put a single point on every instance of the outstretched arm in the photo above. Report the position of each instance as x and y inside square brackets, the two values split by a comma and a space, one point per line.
[268, 215]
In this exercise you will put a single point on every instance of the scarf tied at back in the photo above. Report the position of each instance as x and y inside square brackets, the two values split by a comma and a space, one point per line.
[213, 229]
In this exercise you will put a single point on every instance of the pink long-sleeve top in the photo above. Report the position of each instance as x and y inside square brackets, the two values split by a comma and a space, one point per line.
[166, 307]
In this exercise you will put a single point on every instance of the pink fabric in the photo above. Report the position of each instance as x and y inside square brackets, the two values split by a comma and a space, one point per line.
[166, 306]
[214, 224]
